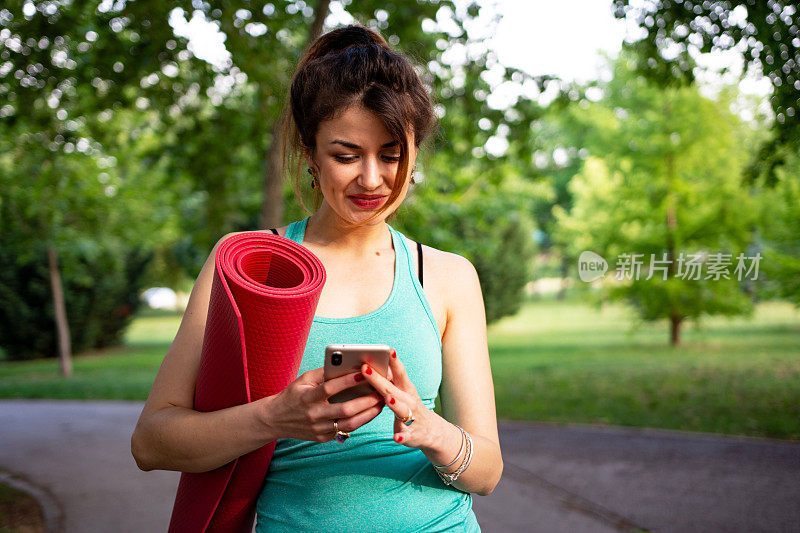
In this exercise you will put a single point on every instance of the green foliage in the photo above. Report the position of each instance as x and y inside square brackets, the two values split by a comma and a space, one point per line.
[118, 129]
[766, 32]
[780, 232]
[101, 290]
[663, 177]
[78, 80]
[102, 215]
[493, 232]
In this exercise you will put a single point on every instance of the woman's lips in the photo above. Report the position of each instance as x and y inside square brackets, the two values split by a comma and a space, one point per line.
[365, 203]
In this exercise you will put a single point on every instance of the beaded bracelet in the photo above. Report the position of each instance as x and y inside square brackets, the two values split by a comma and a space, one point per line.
[451, 463]
[450, 478]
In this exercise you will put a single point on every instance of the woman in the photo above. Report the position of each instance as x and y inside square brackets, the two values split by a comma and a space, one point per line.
[359, 114]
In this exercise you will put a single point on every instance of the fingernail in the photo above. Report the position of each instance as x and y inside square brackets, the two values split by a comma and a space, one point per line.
[399, 438]
[391, 401]
[368, 370]
[394, 354]
[358, 377]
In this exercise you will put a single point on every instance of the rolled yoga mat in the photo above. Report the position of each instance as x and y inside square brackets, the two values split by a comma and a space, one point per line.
[262, 304]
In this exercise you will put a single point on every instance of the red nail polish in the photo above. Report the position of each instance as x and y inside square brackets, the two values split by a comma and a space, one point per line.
[391, 401]
[368, 370]
[399, 438]
[358, 377]
[394, 354]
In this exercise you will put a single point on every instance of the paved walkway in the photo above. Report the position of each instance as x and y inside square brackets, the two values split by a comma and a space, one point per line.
[572, 478]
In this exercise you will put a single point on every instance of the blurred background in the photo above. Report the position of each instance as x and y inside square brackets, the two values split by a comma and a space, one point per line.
[134, 134]
[624, 175]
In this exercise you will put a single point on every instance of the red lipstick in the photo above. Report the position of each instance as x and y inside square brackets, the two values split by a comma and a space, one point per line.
[367, 201]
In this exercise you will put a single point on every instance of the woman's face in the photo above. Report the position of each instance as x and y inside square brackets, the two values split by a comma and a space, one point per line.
[357, 160]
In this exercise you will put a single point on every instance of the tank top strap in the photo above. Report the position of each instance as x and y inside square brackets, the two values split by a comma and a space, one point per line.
[296, 229]
[411, 292]
[403, 253]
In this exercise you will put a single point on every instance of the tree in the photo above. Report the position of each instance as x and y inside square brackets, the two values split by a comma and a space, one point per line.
[663, 179]
[68, 72]
[766, 32]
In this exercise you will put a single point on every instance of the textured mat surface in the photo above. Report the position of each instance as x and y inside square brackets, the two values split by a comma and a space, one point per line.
[262, 304]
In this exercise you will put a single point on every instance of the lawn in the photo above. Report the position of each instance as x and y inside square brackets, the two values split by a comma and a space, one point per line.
[124, 373]
[559, 361]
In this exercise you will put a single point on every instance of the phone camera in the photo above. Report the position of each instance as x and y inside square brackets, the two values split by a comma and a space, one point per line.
[336, 358]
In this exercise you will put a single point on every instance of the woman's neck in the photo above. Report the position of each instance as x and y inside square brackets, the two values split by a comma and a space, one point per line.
[325, 228]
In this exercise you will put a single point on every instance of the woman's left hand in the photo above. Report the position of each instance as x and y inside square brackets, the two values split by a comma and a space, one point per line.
[401, 396]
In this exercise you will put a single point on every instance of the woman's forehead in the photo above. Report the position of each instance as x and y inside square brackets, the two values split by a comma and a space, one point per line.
[355, 122]
[357, 126]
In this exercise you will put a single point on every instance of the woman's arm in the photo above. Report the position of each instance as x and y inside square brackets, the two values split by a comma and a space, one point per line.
[169, 434]
[467, 390]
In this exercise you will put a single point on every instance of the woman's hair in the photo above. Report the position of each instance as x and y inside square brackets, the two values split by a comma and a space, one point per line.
[348, 66]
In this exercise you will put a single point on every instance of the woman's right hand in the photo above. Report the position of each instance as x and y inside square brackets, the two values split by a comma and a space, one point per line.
[301, 410]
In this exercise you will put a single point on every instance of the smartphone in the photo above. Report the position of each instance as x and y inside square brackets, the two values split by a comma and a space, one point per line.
[341, 359]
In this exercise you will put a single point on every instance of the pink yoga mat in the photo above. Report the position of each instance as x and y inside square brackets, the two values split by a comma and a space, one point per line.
[263, 298]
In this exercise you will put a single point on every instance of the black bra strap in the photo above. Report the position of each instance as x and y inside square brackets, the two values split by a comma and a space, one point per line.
[273, 230]
[419, 262]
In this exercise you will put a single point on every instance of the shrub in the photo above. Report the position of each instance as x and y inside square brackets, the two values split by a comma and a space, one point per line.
[101, 284]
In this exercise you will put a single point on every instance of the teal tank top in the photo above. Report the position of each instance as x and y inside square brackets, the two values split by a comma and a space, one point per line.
[368, 483]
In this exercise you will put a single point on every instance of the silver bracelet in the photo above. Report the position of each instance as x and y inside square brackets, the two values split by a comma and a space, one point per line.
[450, 478]
[461, 449]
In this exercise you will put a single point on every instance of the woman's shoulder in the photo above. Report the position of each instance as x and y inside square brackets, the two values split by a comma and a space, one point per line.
[447, 271]
[442, 259]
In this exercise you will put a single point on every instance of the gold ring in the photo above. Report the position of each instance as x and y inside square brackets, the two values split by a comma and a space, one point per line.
[409, 419]
[340, 436]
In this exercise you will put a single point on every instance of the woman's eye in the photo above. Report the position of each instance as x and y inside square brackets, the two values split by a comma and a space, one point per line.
[350, 159]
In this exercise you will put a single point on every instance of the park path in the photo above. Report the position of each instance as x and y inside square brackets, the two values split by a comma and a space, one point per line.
[557, 478]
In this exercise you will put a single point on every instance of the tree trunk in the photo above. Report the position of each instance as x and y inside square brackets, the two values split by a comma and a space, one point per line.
[272, 205]
[60, 313]
[675, 330]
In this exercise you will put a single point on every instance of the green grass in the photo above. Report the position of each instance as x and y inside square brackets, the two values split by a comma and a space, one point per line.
[559, 361]
[124, 373]
[568, 362]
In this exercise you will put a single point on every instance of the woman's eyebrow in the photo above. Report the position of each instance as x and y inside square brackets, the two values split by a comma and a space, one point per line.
[357, 147]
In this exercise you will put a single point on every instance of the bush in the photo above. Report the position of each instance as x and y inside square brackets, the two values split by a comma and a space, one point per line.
[101, 284]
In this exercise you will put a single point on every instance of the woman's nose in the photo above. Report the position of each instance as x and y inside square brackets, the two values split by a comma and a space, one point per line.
[372, 174]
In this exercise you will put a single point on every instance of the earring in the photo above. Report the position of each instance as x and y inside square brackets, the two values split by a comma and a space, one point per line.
[314, 180]
[413, 181]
